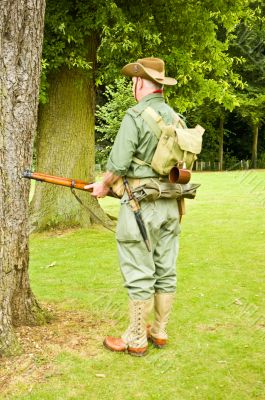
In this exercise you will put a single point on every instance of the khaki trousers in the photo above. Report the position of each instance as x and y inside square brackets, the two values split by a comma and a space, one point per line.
[145, 273]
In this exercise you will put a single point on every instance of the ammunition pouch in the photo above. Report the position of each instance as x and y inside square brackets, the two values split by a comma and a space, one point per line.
[118, 186]
[151, 189]
[154, 190]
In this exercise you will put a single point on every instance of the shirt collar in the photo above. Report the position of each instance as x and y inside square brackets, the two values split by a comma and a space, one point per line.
[151, 96]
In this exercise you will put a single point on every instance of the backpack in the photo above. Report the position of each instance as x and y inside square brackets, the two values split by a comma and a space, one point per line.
[177, 145]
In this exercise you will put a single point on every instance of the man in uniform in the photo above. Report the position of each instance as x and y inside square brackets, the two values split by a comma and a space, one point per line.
[150, 277]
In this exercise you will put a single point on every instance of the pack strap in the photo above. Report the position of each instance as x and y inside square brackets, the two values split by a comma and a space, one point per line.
[140, 162]
[156, 124]
[154, 121]
[179, 122]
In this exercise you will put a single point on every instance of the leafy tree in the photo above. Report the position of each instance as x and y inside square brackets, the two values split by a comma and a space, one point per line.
[199, 39]
[252, 110]
[212, 117]
[87, 42]
[65, 143]
[187, 36]
[21, 33]
[250, 45]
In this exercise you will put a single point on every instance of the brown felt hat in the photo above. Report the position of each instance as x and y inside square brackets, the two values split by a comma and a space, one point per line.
[149, 68]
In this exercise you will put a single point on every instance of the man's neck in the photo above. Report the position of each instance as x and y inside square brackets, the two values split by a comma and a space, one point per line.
[158, 91]
[147, 93]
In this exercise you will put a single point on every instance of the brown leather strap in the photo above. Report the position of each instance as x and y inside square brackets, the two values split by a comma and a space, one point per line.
[181, 206]
[91, 212]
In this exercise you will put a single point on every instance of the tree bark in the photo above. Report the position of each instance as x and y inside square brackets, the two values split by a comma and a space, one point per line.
[255, 132]
[21, 33]
[221, 142]
[66, 147]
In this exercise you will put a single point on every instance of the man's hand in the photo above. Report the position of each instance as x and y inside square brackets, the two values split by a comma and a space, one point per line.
[99, 189]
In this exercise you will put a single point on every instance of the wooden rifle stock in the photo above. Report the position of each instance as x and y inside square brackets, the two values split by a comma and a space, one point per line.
[68, 182]
[57, 180]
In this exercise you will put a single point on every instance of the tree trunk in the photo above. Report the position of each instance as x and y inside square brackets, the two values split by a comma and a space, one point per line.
[21, 33]
[66, 147]
[221, 142]
[255, 131]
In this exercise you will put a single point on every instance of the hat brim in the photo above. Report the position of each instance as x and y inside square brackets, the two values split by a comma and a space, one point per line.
[138, 70]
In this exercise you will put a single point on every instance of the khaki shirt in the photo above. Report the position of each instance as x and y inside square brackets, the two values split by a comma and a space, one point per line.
[134, 139]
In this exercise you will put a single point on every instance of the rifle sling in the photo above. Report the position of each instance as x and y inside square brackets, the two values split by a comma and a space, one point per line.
[91, 212]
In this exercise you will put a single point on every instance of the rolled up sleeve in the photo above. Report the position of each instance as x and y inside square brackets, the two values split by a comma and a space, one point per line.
[124, 147]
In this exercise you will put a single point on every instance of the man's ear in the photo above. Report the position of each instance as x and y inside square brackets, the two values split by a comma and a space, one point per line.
[140, 83]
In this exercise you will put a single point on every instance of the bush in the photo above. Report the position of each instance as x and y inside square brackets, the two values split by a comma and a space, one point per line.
[261, 161]
[109, 116]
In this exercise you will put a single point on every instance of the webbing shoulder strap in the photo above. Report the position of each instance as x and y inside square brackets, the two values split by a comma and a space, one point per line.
[156, 124]
[179, 122]
[153, 120]
[140, 162]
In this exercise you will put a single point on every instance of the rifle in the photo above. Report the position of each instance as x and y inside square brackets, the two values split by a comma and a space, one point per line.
[58, 180]
[71, 183]
[79, 184]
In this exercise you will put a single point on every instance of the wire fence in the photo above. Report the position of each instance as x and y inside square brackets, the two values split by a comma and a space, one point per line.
[216, 166]
[209, 166]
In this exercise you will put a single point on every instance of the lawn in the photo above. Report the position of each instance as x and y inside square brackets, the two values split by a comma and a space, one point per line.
[217, 328]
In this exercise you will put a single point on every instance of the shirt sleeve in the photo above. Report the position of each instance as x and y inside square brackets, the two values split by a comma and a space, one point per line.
[124, 147]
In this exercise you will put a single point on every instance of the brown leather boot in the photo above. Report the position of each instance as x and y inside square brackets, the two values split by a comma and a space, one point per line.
[157, 332]
[134, 340]
[158, 343]
[117, 344]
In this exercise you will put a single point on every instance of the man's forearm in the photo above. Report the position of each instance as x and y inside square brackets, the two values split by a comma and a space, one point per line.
[101, 189]
[109, 178]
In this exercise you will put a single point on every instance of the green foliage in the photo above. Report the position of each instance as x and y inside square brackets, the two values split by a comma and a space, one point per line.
[72, 28]
[44, 82]
[196, 47]
[207, 116]
[213, 48]
[230, 161]
[109, 116]
[252, 106]
[261, 161]
[187, 41]
[190, 42]
[249, 45]
[69, 24]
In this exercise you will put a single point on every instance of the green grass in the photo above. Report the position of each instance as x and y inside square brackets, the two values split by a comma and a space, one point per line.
[217, 328]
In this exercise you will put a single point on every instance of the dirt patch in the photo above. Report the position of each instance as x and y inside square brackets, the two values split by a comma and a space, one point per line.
[73, 331]
[61, 232]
